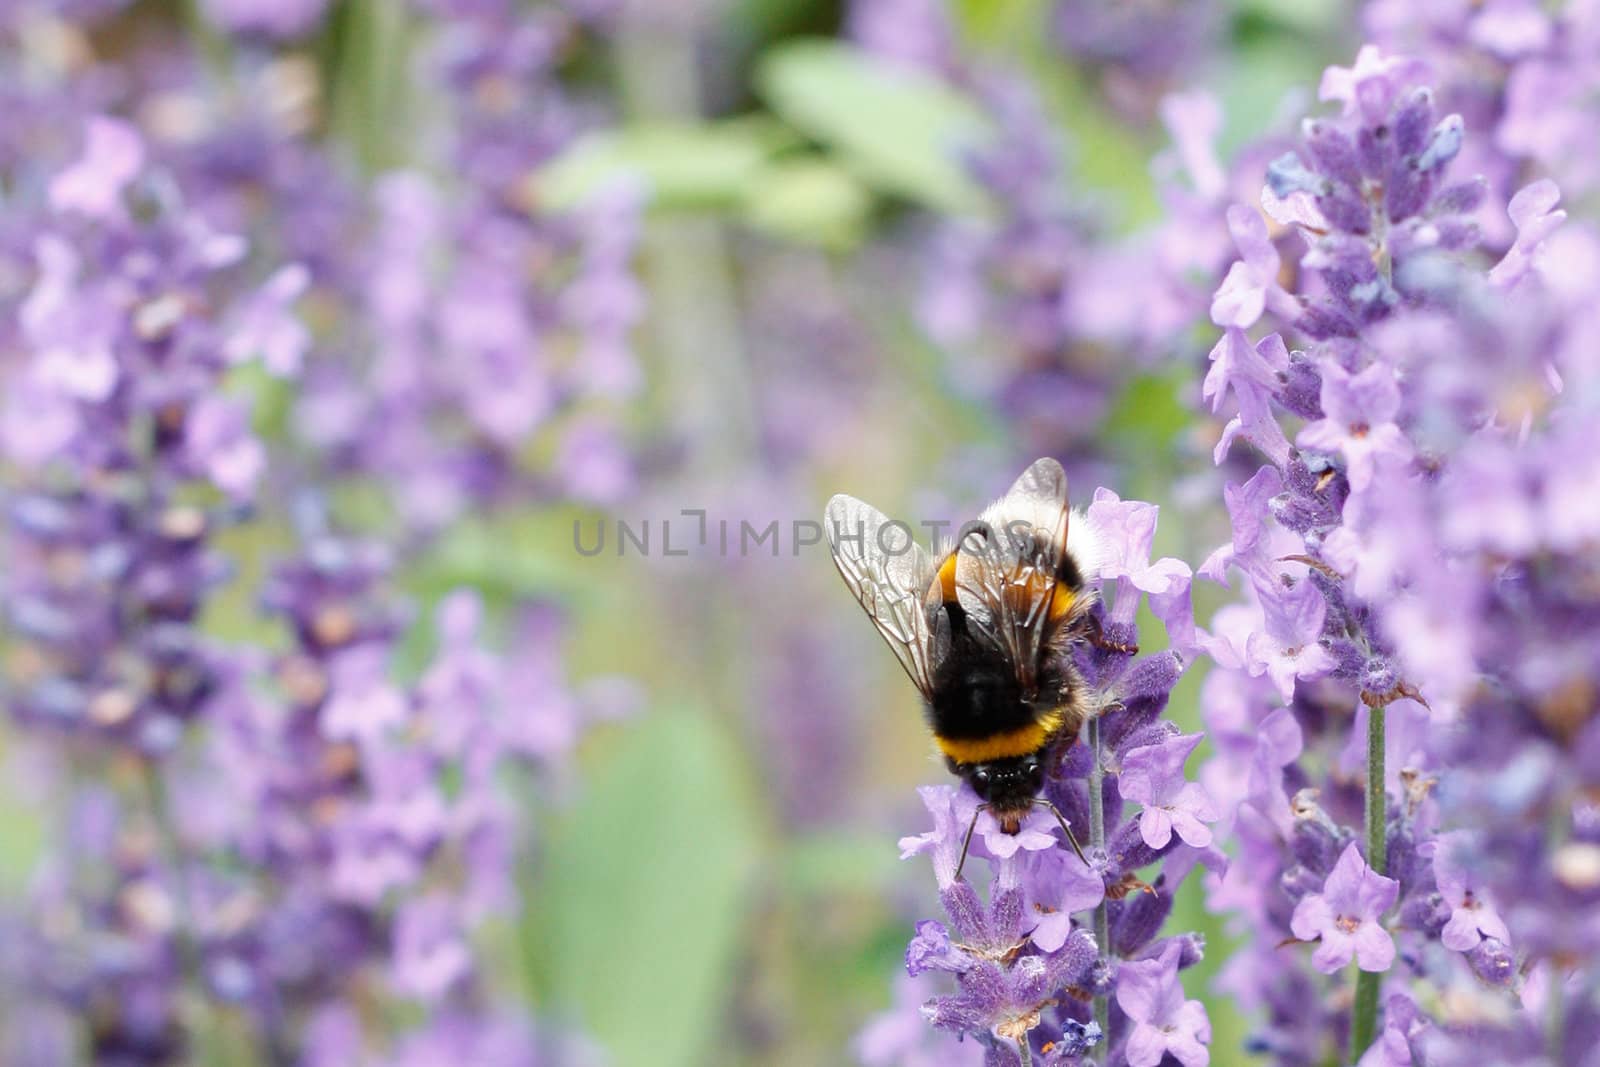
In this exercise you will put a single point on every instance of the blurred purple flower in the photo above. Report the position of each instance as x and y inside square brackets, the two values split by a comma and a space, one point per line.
[309, 818]
[1393, 1046]
[1533, 213]
[1139, 51]
[915, 32]
[362, 703]
[267, 329]
[71, 326]
[219, 440]
[430, 953]
[278, 19]
[113, 155]
[1472, 916]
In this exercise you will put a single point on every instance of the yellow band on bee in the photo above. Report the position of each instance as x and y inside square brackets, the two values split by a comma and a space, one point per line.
[1061, 602]
[1019, 742]
[947, 579]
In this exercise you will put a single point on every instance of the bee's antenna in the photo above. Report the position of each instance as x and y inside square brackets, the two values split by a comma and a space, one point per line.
[966, 842]
[1060, 818]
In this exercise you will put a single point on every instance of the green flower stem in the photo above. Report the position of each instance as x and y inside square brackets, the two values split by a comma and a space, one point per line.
[693, 327]
[1556, 1021]
[195, 1007]
[1364, 1015]
[1097, 840]
[366, 66]
[213, 46]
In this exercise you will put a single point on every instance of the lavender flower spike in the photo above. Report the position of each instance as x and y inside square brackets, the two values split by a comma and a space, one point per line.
[1345, 916]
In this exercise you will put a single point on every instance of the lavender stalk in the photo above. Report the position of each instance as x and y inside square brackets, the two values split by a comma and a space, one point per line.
[1364, 1016]
[1097, 845]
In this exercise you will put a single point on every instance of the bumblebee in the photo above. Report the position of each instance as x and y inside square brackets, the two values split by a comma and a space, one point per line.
[986, 628]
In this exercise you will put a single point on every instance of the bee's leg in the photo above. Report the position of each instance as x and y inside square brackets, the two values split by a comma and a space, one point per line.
[1096, 636]
[1062, 819]
[966, 842]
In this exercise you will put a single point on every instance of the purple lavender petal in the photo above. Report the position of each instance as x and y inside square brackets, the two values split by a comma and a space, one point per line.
[113, 155]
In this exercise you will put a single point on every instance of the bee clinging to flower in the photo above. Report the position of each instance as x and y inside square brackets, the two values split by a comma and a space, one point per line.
[986, 629]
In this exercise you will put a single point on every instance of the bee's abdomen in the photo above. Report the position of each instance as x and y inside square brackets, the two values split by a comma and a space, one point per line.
[978, 712]
[1021, 741]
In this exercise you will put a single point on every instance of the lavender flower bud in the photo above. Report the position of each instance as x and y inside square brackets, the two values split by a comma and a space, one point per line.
[1137, 919]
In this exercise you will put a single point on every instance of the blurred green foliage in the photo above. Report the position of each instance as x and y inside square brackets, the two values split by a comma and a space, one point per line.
[639, 923]
[899, 130]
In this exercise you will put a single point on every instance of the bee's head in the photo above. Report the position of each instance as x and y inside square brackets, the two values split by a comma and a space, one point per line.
[1008, 785]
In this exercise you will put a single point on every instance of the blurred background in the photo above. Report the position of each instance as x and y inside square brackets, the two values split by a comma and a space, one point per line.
[523, 285]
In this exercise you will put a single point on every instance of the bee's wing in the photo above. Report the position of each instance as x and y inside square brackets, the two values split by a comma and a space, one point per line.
[889, 574]
[1039, 499]
[1006, 571]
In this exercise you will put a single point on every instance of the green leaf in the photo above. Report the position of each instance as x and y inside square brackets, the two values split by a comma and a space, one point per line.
[1107, 153]
[994, 23]
[1151, 413]
[233, 612]
[1263, 74]
[900, 130]
[23, 830]
[270, 399]
[222, 1037]
[759, 21]
[683, 165]
[835, 862]
[636, 927]
[365, 62]
[1308, 16]
[810, 201]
